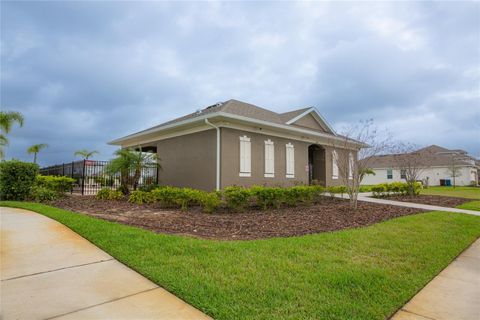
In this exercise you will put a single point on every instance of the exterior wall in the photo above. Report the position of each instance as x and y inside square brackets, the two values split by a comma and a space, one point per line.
[434, 175]
[189, 160]
[329, 165]
[308, 122]
[230, 163]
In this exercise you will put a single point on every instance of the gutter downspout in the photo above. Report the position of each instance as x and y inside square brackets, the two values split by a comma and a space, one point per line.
[217, 187]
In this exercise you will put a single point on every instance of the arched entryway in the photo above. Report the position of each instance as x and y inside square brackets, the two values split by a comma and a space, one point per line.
[316, 165]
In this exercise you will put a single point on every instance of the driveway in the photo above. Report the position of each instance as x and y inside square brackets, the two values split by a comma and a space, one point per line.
[50, 272]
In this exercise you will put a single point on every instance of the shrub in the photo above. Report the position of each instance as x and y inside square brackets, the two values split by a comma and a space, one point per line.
[166, 196]
[17, 179]
[148, 187]
[58, 184]
[109, 194]
[185, 197]
[140, 197]
[318, 192]
[342, 190]
[210, 201]
[332, 190]
[268, 196]
[42, 194]
[236, 198]
[378, 190]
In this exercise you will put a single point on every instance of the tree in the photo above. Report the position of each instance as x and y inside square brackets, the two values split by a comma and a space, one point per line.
[84, 153]
[129, 164]
[410, 163]
[7, 119]
[454, 170]
[35, 149]
[354, 151]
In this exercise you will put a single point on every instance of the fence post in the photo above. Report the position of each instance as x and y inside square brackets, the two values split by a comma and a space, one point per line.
[63, 169]
[71, 175]
[83, 177]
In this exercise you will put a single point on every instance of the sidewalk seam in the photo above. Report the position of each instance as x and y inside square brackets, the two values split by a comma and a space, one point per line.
[102, 303]
[48, 271]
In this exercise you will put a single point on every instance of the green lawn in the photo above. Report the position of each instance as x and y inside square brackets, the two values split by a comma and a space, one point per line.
[473, 205]
[461, 192]
[365, 273]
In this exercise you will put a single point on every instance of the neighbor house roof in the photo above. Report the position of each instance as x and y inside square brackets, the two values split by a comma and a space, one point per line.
[429, 156]
[235, 109]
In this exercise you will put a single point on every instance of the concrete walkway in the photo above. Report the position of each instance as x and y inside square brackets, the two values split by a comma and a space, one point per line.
[453, 294]
[367, 197]
[50, 272]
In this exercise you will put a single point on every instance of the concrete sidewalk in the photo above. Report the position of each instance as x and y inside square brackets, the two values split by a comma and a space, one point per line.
[453, 294]
[368, 198]
[48, 271]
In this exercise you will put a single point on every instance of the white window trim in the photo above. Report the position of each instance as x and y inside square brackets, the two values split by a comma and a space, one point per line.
[289, 175]
[270, 174]
[245, 173]
[334, 164]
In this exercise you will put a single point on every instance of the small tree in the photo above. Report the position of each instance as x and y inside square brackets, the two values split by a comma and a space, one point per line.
[454, 171]
[361, 141]
[35, 149]
[410, 163]
[85, 154]
[7, 119]
[129, 164]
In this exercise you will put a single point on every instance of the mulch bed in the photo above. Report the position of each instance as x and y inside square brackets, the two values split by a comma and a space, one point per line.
[442, 201]
[330, 215]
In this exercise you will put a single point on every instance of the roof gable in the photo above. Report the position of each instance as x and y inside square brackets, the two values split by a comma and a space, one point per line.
[311, 119]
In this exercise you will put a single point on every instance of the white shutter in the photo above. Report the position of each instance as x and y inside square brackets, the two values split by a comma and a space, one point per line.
[269, 159]
[245, 157]
[350, 166]
[290, 160]
[334, 165]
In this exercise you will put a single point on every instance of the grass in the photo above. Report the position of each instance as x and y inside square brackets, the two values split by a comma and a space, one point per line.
[461, 192]
[473, 205]
[365, 273]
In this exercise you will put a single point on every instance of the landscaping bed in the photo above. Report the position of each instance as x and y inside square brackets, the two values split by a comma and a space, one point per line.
[433, 200]
[329, 215]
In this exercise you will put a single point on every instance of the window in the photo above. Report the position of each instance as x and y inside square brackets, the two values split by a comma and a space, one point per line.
[334, 165]
[245, 157]
[403, 174]
[290, 160]
[389, 174]
[269, 159]
[350, 165]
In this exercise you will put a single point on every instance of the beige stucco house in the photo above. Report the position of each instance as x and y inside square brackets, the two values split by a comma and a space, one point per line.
[436, 166]
[237, 143]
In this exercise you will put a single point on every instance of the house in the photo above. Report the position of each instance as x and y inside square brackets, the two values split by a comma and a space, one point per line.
[436, 165]
[237, 143]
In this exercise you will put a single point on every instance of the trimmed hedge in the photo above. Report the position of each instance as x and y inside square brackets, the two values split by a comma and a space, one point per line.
[234, 198]
[17, 179]
[59, 184]
[109, 194]
[395, 188]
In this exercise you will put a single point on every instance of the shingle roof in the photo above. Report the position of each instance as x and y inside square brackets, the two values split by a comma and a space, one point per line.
[429, 156]
[235, 108]
[238, 108]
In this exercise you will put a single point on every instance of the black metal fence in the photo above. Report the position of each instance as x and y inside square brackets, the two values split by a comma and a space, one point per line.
[91, 175]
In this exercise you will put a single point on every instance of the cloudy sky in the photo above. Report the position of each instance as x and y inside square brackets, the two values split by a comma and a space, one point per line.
[84, 73]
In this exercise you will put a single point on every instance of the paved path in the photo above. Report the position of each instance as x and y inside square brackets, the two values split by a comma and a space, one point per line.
[367, 197]
[453, 294]
[50, 272]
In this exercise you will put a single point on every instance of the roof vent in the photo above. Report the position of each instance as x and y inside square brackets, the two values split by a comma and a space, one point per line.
[218, 104]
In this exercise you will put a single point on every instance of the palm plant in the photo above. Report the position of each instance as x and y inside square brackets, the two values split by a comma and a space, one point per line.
[7, 119]
[129, 161]
[35, 149]
[84, 153]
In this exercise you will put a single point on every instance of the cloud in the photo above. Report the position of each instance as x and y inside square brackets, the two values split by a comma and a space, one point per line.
[84, 73]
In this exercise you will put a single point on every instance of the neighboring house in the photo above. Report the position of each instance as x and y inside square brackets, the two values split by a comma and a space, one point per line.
[436, 168]
[237, 143]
